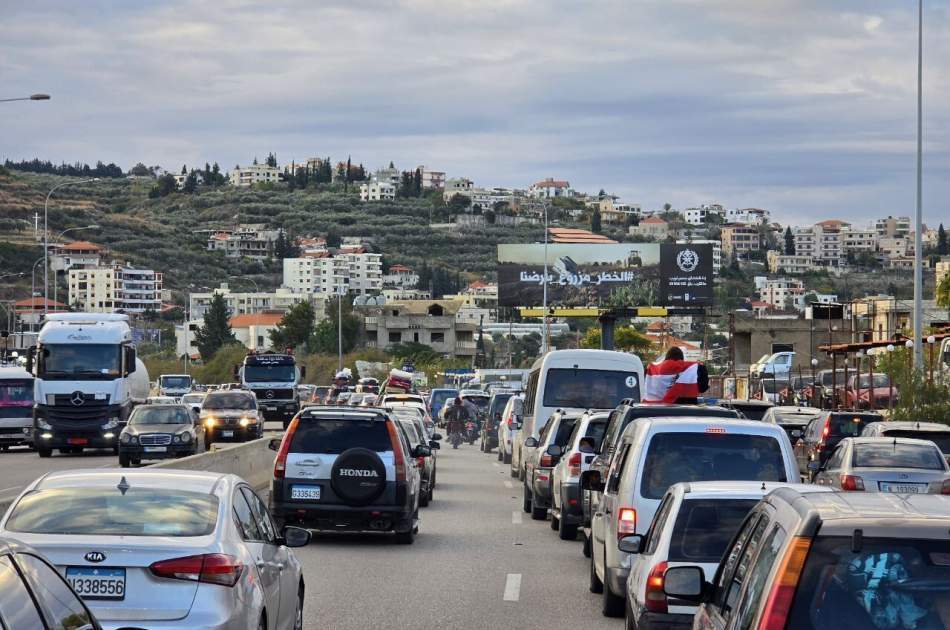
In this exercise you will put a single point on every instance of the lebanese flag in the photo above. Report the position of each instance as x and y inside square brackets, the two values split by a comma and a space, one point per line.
[669, 380]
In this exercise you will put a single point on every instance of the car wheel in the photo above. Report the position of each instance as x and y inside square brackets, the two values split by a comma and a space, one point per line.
[512, 471]
[424, 499]
[507, 458]
[595, 585]
[124, 460]
[586, 547]
[298, 619]
[44, 452]
[526, 500]
[262, 623]
[555, 522]
[499, 455]
[613, 605]
[566, 531]
[538, 513]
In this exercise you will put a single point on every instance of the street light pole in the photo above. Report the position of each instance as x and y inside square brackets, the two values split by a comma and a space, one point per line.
[31, 97]
[339, 328]
[46, 239]
[918, 237]
[544, 299]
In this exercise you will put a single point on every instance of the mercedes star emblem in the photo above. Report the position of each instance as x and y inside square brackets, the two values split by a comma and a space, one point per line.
[77, 398]
[270, 393]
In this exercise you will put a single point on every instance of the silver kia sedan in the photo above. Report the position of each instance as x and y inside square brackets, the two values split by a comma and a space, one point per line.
[164, 549]
[886, 464]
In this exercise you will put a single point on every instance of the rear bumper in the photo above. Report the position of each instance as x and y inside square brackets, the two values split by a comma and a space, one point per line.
[342, 518]
[617, 579]
[572, 507]
[541, 486]
[650, 620]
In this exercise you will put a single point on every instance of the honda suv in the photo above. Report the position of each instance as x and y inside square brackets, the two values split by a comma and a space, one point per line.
[347, 470]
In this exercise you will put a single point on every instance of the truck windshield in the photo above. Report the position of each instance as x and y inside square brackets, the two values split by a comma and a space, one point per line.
[16, 393]
[71, 361]
[176, 382]
[269, 373]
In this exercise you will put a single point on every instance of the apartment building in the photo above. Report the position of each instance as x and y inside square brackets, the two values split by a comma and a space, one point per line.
[390, 175]
[612, 210]
[782, 293]
[651, 227]
[895, 247]
[347, 272]
[429, 322]
[942, 269]
[254, 174]
[74, 255]
[821, 242]
[432, 180]
[116, 287]
[458, 186]
[550, 188]
[856, 241]
[716, 249]
[400, 277]
[242, 302]
[893, 227]
[702, 214]
[738, 241]
[747, 216]
[249, 240]
[784, 263]
[377, 191]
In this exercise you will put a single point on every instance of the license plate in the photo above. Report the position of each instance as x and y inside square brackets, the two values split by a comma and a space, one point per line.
[311, 493]
[227, 434]
[901, 488]
[77, 441]
[97, 583]
[271, 408]
[156, 449]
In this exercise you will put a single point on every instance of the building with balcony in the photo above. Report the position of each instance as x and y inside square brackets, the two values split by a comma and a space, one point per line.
[249, 240]
[240, 303]
[432, 180]
[116, 287]
[550, 188]
[354, 271]
[430, 322]
[254, 174]
[782, 293]
[738, 241]
[400, 277]
[785, 263]
[612, 210]
[77, 254]
[747, 216]
[822, 242]
[893, 227]
[704, 213]
[377, 191]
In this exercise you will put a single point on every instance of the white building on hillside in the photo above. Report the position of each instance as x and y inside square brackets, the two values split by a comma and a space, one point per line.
[117, 287]
[747, 216]
[241, 302]
[347, 272]
[549, 188]
[254, 174]
[377, 191]
[700, 215]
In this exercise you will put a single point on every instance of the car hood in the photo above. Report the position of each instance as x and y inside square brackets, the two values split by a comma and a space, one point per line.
[136, 429]
[227, 412]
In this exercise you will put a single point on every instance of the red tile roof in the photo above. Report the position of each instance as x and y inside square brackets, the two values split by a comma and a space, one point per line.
[36, 303]
[833, 223]
[80, 246]
[653, 221]
[550, 182]
[571, 235]
[256, 319]
[399, 269]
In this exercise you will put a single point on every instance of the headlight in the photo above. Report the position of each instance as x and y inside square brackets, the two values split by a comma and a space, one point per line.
[246, 420]
[184, 437]
[111, 424]
[125, 438]
[43, 424]
[210, 421]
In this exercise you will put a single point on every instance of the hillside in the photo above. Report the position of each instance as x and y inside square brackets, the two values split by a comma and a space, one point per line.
[159, 233]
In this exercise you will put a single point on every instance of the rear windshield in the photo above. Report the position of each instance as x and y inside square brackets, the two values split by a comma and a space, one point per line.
[676, 457]
[479, 401]
[890, 583]
[890, 455]
[589, 389]
[849, 425]
[704, 528]
[595, 431]
[160, 414]
[564, 429]
[229, 401]
[440, 396]
[498, 403]
[794, 417]
[110, 512]
[940, 438]
[332, 437]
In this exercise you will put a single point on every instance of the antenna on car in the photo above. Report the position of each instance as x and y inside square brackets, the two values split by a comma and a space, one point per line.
[857, 541]
[763, 486]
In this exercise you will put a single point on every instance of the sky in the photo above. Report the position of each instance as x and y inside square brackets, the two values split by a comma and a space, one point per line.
[806, 108]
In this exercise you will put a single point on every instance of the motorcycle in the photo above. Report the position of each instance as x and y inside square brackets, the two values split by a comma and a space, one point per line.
[455, 438]
[470, 432]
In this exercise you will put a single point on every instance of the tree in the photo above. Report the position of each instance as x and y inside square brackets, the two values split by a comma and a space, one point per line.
[271, 160]
[216, 331]
[458, 204]
[405, 185]
[489, 217]
[417, 183]
[667, 207]
[943, 293]
[164, 186]
[295, 328]
[595, 221]
[184, 169]
[191, 183]
[284, 247]
[140, 170]
[943, 248]
[216, 177]
[626, 338]
[789, 242]
[324, 338]
[333, 239]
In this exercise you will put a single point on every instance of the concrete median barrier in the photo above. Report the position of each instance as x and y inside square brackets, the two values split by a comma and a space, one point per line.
[252, 461]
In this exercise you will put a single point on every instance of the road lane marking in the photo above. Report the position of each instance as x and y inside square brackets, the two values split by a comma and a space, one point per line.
[512, 587]
[2, 490]
[516, 517]
[495, 464]
[508, 484]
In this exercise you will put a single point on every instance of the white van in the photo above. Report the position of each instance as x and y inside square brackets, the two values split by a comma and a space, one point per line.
[575, 380]
[655, 453]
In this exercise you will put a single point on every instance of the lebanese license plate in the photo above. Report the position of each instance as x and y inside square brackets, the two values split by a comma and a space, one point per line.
[97, 582]
[311, 493]
[271, 408]
[156, 449]
[227, 434]
[901, 488]
[77, 441]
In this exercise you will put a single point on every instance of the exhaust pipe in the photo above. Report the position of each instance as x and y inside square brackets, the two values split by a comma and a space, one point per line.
[379, 524]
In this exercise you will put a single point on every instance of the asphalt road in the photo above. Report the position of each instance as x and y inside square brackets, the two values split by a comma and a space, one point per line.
[475, 549]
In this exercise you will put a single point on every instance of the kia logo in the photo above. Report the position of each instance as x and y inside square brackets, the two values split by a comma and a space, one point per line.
[95, 556]
[77, 399]
[270, 393]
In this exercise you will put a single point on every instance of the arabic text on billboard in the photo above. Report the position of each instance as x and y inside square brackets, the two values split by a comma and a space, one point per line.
[686, 274]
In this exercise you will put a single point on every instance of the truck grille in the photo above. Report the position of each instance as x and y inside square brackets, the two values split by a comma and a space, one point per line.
[88, 400]
[72, 414]
[155, 439]
[274, 394]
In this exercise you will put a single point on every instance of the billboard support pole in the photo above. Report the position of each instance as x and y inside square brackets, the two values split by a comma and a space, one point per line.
[607, 321]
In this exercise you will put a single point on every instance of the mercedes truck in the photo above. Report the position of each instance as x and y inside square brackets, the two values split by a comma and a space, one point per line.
[273, 378]
[175, 385]
[87, 379]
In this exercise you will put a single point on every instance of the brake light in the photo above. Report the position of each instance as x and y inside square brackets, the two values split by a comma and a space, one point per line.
[779, 603]
[399, 459]
[511, 421]
[655, 599]
[946, 487]
[574, 465]
[211, 568]
[547, 461]
[626, 522]
[420, 462]
[852, 483]
[280, 463]
[715, 430]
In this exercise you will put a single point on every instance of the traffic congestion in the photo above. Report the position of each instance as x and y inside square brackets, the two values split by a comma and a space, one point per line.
[672, 510]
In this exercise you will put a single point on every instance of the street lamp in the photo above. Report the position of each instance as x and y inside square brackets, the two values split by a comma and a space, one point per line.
[544, 299]
[46, 238]
[31, 97]
[931, 340]
[56, 240]
[814, 384]
[890, 379]
[918, 355]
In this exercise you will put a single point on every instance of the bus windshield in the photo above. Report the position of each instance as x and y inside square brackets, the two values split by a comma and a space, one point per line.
[16, 393]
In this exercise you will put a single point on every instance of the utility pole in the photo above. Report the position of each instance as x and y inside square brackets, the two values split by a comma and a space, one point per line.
[918, 237]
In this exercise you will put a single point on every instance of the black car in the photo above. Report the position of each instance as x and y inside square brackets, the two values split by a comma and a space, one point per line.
[160, 432]
[750, 409]
[824, 433]
[342, 469]
[496, 405]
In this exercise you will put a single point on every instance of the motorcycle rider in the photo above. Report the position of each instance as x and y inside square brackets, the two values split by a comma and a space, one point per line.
[456, 415]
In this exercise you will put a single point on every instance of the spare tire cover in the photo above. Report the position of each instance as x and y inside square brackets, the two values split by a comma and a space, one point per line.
[358, 476]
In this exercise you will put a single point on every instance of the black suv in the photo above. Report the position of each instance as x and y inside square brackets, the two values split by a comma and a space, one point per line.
[809, 559]
[347, 470]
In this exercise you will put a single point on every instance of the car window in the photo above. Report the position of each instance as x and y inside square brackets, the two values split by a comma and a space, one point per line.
[610, 434]
[657, 526]
[704, 528]
[332, 437]
[61, 607]
[758, 576]
[564, 429]
[731, 559]
[531, 392]
[940, 438]
[837, 458]
[16, 605]
[743, 565]
[890, 454]
[815, 428]
[616, 469]
[244, 518]
[595, 431]
[849, 425]
[264, 524]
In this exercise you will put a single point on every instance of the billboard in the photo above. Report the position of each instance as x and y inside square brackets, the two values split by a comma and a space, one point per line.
[686, 274]
[579, 274]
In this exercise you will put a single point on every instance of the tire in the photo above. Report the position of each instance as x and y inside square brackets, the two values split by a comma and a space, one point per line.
[363, 489]
[115, 450]
[586, 549]
[613, 605]
[595, 585]
[124, 460]
[512, 471]
[406, 538]
[555, 523]
[424, 499]
[526, 500]
[431, 492]
[262, 623]
[44, 452]
[507, 458]
[538, 513]
[566, 531]
[499, 455]
[298, 618]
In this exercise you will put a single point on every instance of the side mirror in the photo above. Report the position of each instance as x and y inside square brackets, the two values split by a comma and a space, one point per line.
[421, 451]
[30, 359]
[274, 444]
[631, 544]
[685, 583]
[434, 445]
[296, 536]
[591, 480]
[531, 443]
[303, 371]
[129, 359]
[436, 436]
[554, 450]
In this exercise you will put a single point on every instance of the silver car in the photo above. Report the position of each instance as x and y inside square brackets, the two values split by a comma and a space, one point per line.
[164, 549]
[886, 464]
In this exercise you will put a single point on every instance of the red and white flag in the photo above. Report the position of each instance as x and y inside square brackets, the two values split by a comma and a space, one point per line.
[670, 380]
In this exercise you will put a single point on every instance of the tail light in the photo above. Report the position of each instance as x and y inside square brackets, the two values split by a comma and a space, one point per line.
[824, 434]
[946, 487]
[852, 483]
[574, 465]
[655, 599]
[626, 522]
[420, 462]
[779, 603]
[212, 568]
[547, 461]
[399, 458]
[280, 463]
[511, 421]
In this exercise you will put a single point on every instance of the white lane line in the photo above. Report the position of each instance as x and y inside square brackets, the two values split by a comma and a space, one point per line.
[516, 517]
[512, 587]
[508, 484]
[495, 464]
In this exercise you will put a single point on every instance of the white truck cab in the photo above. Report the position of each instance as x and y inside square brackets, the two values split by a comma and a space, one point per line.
[174, 385]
